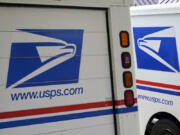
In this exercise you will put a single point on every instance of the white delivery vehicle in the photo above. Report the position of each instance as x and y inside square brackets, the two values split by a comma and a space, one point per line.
[66, 68]
[156, 32]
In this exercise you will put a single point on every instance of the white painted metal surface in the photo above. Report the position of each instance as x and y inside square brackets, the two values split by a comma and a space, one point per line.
[39, 36]
[158, 16]
[79, 3]
[155, 10]
[94, 71]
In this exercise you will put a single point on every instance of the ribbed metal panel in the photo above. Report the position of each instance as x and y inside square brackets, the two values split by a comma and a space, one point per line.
[168, 1]
[145, 2]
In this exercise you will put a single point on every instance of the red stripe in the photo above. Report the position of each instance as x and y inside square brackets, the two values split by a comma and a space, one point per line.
[119, 102]
[163, 85]
[54, 109]
[57, 109]
[135, 100]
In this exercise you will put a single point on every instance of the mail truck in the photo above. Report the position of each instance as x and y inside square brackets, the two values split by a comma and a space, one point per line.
[156, 31]
[66, 68]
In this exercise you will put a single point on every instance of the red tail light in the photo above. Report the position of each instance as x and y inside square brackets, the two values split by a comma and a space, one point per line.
[129, 98]
[126, 60]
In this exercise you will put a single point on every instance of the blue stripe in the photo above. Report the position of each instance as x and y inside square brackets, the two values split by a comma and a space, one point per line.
[42, 120]
[164, 91]
[127, 110]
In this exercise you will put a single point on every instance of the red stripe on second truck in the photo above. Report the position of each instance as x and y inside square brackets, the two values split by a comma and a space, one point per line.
[158, 87]
[163, 85]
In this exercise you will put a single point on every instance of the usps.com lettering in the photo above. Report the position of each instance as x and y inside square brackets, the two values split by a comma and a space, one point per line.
[46, 94]
[156, 100]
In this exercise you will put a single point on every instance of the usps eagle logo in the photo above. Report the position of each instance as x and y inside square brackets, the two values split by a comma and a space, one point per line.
[42, 57]
[156, 48]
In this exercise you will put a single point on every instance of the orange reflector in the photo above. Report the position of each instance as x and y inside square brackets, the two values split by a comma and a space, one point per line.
[129, 98]
[124, 38]
[127, 79]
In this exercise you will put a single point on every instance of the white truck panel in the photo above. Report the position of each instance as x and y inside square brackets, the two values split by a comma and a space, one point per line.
[118, 15]
[39, 16]
[57, 73]
[77, 3]
[94, 75]
[154, 17]
[93, 126]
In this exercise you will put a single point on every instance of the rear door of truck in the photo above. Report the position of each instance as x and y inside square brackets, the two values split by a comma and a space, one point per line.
[55, 72]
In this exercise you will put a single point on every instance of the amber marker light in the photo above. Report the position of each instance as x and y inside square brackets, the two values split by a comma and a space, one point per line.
[127, 79]
[124, 38]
